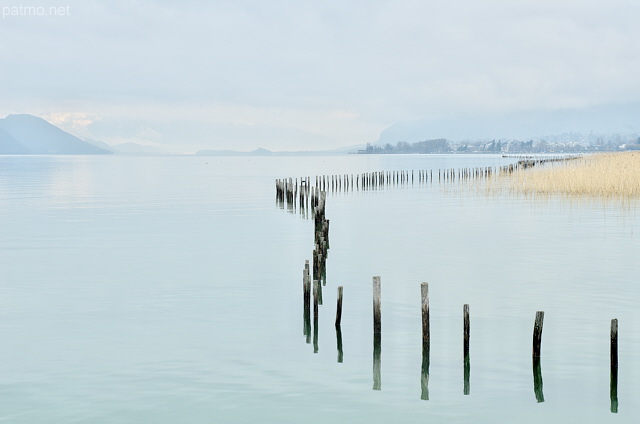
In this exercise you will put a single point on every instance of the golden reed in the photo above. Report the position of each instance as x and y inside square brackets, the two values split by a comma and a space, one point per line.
[599, 175]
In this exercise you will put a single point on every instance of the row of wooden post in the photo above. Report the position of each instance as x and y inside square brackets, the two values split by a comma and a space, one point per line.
[537, 342]
[317, 199]
[426, 339]
[317, 290]
[300, 193]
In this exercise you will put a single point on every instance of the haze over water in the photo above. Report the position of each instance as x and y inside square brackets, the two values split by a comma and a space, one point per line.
[169, 289]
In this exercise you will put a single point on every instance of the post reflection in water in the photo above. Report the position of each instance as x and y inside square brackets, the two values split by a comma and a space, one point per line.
[467, 373]
[613, 391]
[316, 286]
[424, 375]
[537, 380]
[339, 343]
[377, 349]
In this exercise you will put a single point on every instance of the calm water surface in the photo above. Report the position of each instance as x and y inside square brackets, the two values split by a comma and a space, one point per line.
[169, 290]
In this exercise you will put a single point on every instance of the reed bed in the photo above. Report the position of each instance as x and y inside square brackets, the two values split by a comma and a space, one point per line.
[597, 175]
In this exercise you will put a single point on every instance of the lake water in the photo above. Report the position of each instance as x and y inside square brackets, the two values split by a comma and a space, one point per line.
[169, 290]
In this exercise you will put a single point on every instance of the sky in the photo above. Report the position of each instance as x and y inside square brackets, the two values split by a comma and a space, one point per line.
[295, 75]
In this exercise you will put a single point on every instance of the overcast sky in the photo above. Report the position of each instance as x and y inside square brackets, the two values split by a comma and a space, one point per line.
[298, 74]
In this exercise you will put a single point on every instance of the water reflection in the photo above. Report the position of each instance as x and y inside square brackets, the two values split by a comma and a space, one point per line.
[339, 343]
[537, 380]
[467, 373]
[613, 390]
[424, 375]
[377, 349]
[306, 313]
[316, 286]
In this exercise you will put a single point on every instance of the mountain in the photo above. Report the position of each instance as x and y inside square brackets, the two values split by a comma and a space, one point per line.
[98, 143]
[9, 145]
[29, 134]
[603, 119]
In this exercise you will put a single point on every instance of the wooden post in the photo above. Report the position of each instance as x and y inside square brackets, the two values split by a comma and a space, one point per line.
[306, 279]
[613, 388]
[614, 345]
[377, 336]
[315, 299]
[320, 265]
[426, 337]
[537, 333]
[465, 313]
[537, 368]
[426, 342]
[467, 362]
[339, 307]
[377, 312]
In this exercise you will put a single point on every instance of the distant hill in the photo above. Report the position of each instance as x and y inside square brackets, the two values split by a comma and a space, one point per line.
[130, 148]
[256, 152]
[98, 143]
[28, 134]
[265, 152]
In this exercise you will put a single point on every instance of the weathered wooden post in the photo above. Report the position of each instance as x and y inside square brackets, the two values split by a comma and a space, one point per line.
[537, 368]
[467, 362]
[339, 307]
[306, 287]
[426, 342]
[320, 266]
[426, 337]
[377, 336]
[377, 312]
[537, 333]
[614, 345]
[320, 281]
[613, 389]
[466, 331]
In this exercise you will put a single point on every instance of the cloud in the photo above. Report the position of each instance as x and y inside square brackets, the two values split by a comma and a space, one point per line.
[331, 72]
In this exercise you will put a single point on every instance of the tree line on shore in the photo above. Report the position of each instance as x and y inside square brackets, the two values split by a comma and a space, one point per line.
[442, 145]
